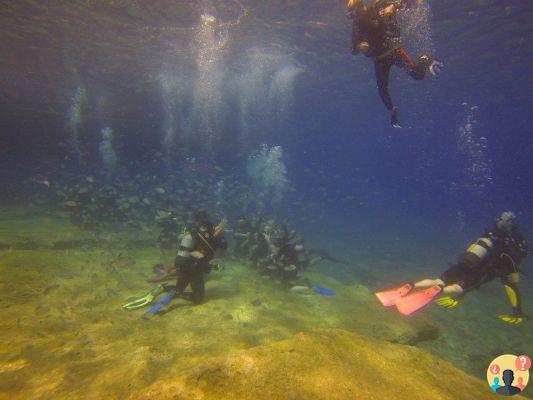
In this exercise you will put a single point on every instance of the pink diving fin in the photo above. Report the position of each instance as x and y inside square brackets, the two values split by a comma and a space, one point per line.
[388, 298]
[414, 302]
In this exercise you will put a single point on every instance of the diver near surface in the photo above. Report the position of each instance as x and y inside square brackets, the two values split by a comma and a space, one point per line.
[376, 34]
[496, 254]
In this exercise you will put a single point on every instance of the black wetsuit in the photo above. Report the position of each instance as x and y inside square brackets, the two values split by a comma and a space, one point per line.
[385, 47]
[191, 270]
[503, 259]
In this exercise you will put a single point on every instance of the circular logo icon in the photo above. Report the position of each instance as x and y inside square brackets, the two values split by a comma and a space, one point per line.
[508, 374]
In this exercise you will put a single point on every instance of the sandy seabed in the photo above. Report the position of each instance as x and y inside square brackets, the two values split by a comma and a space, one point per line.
[65, 334]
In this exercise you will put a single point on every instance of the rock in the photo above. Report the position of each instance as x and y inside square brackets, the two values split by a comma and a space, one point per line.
[256, 303]
[324, 364]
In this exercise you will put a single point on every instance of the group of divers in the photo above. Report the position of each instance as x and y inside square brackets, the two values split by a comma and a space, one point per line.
[280, 253]
[277, 252]
[273, 250]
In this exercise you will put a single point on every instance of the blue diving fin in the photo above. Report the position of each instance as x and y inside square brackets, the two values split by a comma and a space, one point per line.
[155, 309]
[319, 289]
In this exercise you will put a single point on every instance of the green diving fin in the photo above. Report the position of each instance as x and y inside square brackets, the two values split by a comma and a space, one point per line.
[145, 300]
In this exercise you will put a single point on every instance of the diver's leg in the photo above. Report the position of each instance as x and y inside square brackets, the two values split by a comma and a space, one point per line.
[198, 288]
[182, 282]
[454, 289]
[382, 68]
[426, 283]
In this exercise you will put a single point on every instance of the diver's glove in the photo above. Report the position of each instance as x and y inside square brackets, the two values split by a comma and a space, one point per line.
[514, 319]
[435, 67]
[447, 302]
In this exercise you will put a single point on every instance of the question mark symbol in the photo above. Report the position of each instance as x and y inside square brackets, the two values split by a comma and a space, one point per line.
[523, 363]
[495, 369]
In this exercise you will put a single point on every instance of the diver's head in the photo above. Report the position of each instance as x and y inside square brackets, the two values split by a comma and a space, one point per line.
[508, 377]
[506, 222]
[363, 47]
[201, 222]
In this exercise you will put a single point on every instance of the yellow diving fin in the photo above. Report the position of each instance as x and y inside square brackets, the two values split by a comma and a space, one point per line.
[447, 302]
[145, 300]
[511, 319]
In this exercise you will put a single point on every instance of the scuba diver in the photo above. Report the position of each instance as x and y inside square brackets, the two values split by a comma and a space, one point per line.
[197, 248]
[289, 249]
[496, 254]
[376, 34]
[256, 246]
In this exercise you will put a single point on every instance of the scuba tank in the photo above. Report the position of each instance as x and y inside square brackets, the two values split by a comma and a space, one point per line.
[478, 251]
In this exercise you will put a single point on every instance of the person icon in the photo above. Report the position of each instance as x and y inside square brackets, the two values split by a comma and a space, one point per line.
[496, 383]
[520, 383]
[508, 389]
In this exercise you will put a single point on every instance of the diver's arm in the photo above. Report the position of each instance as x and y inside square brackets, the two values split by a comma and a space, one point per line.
[168, 276]
[219, 229]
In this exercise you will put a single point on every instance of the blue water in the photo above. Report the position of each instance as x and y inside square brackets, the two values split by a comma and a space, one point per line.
[281, 74]
[354, 176]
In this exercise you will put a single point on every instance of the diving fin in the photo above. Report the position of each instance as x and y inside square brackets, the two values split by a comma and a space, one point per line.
[388, 297]
[155, 309]
[513, 319]
[447, 302]
[145, 300]
[319, 289]
[323, 291]
[414, 302]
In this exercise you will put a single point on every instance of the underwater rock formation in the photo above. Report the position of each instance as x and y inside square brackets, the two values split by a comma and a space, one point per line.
[324, 364]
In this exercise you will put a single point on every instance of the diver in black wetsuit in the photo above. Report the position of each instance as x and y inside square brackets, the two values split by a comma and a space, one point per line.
[196, 249]
[376, 33]
[496, 254]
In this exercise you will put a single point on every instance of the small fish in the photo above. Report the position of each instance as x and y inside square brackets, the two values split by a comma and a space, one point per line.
[71, 203]
[160, 190]
[90, 179]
